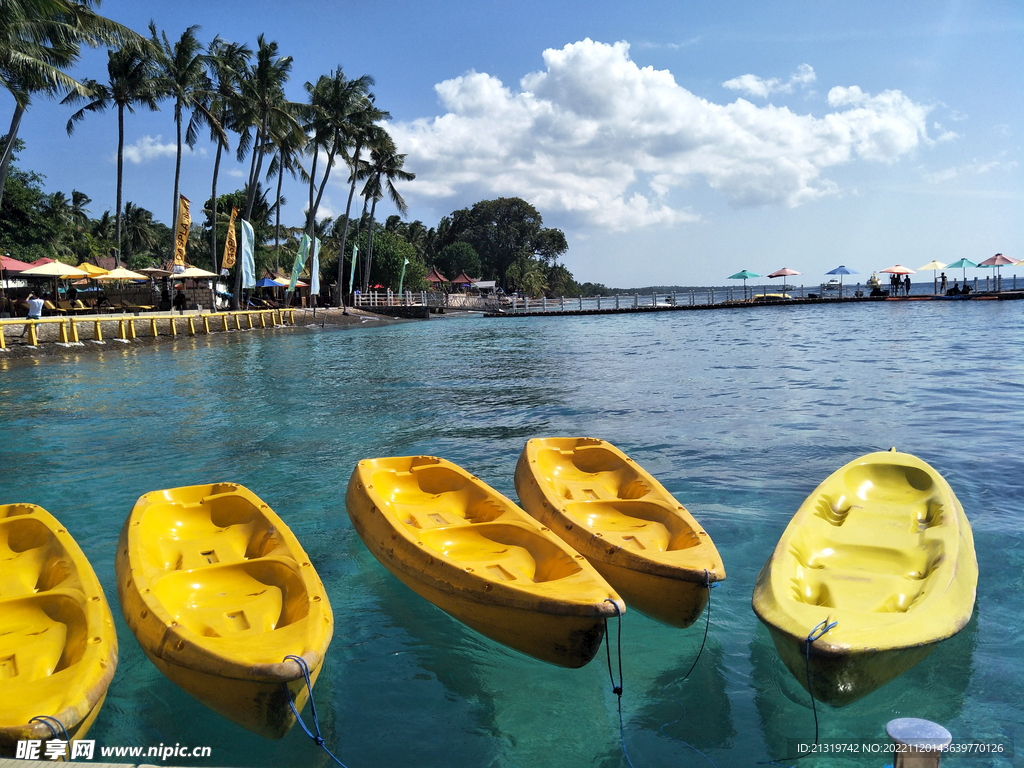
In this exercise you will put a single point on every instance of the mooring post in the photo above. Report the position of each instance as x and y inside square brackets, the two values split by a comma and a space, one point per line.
[923, 740]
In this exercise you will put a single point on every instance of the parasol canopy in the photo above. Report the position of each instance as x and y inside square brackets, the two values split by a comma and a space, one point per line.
[784, 273]
[899, 269]
[964, 263]
[932, 265]
[842, 270]
[746, 274]
[92, 269]
[121, 274]
[53, 269]
[194, 272]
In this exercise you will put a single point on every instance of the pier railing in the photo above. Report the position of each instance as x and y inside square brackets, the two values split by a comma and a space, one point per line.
[125, 328]
[372, 299]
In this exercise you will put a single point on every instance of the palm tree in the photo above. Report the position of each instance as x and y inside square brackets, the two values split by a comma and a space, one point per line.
[182, 76]
[39, 40]
[139, 233]
[227, 63]
[266, 114]
[363, 131]
[385, 168]
[286, 160]
[132, 82]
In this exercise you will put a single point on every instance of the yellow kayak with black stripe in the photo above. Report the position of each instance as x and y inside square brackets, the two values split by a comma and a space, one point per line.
[58, 647]
[218, 591]
[882, 549]
[470, 551]
[628, 526]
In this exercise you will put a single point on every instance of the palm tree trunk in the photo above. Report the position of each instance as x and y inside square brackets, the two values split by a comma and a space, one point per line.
[277, 226]
[344, 230]
[177, 176]
[120, 178]
[369, 244]
[12, 136]
[213, 193]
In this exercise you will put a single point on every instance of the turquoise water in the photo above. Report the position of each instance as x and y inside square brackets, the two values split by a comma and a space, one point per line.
[739, 413]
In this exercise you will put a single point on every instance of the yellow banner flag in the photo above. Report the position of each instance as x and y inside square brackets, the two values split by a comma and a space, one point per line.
[181, 237]
[230, 245]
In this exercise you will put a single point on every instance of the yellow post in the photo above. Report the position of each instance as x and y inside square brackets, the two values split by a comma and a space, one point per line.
[73, 330]
[172, 328]
[63, 334]
[191, 326]
[131, 328]
[206, 324]
[291, 316]
[152, 327]
[3, 342]
[224, 321]
[248, 319]
[122, 330]
[97, 331]
[263, 319]
[31, 326]
[238, 322]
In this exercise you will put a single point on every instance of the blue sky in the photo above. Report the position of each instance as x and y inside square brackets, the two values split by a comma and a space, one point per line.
[673, 143]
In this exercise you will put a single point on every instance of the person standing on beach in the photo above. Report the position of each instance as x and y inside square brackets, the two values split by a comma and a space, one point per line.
[35, 311]
[906, 285]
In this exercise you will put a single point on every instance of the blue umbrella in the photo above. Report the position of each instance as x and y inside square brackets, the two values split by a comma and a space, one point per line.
[841, 270]
[266, 282]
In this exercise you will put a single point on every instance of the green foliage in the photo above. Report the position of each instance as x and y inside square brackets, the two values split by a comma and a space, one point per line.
[458, 257]
[389, 251]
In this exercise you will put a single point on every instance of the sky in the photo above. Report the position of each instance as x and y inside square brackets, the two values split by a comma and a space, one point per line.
[673, 143]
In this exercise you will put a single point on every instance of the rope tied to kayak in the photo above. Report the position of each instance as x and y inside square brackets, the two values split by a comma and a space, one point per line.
[708, 585]
[815, 634]
[616, 689]
[312, 708]
[54, 733]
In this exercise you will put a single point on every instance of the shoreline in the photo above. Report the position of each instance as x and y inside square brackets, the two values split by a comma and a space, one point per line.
[49, 345]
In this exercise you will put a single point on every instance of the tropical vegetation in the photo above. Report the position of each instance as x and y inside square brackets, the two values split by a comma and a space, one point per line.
[237, 97]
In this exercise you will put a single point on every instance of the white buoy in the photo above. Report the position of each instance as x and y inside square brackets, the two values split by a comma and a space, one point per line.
[922, 741]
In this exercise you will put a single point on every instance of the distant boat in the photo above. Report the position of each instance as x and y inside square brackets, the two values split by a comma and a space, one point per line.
[832, 285]
[883, 549]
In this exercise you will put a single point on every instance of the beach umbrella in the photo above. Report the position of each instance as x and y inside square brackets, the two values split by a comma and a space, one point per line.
[842, 270]
[266, 282]
[121, 274]
[745, 275]
[965, 263]
[54, 269]
[784, 273]
[155, 272]
[934, 266]
[195, 272]
[996, 261]
[92, 269]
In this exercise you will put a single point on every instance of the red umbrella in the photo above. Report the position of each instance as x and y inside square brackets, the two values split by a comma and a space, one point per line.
[899, 269]
[996, 261]
[784, 272]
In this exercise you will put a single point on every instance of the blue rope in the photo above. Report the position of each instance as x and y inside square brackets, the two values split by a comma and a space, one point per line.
[312, 708]
[815, 634]
[707, 624]
[45, 720]
[617, 689]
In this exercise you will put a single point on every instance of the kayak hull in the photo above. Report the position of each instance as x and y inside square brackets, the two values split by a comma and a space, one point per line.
[218, 592]
[58, 646]
[624, 522]
[471, 552]
[882, 549]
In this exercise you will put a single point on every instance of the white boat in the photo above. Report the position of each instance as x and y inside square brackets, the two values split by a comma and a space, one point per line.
[832, 285]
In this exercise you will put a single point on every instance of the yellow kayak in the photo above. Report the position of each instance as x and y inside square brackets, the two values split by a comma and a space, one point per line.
[883, 549]
[632, 530]
[218, 591]
[475, 555]
[58, 648]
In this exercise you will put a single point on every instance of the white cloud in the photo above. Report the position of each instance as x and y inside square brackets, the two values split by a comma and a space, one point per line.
[973, 168]
[608, 143]
[753, 85]
[672, 46]
[152, 148]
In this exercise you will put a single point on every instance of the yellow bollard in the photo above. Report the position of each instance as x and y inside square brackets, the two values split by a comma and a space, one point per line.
[206, 324]
[97, 332]
[3, 342]
[263, 319]
[131, 328]
[238, 322]
[224, 321]
[152, 327]
[172, 328]
[73, 330]
[248, 319]
[191, 326]
[63, 334]
[122, 331]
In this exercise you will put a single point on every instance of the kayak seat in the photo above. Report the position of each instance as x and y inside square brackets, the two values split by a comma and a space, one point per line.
[636, 524]
[503, 552]
[227, 600]
[589, 471]
[40, 562]
[40, 635]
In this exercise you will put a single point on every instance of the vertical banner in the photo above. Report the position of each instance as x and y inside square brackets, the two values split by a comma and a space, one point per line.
[230, 245]
[401, 282]
[181, 236]
[300, 262]
[248, 255]
[314, 270]
[352, 273]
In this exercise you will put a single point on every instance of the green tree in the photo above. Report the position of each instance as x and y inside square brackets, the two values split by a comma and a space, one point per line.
[39, 40]
[227, 63]
[139, 232]
[390, 251]
[458, 257]
[131, 82]
[386, 167]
